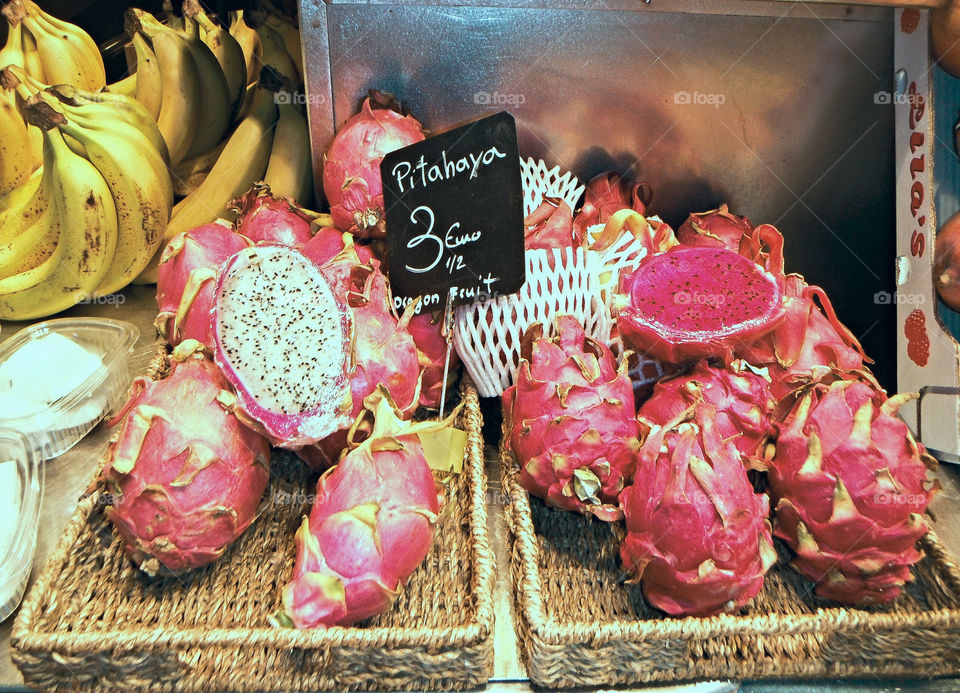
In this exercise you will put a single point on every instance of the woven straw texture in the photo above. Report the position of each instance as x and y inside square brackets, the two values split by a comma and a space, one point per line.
[581, 625]
[93, 622]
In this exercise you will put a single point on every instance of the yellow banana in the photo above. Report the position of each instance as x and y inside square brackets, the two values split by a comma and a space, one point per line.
[143, 196]
[16, 159]
[249, 44]
[290, 169]
[190, 173]
[174, 21]
[67, 53]
[242, 163]
[182, 96]
[226, 49]
[12, 51]
[273, 52]
[123, 87]
[290, 36]
[31, 57]
[149, 82]
[32, 249]
[217, 104]
[16, 199]
[87, 217]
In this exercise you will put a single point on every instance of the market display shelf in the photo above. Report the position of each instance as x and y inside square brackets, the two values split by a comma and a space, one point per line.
[94, 621]
[581, 624]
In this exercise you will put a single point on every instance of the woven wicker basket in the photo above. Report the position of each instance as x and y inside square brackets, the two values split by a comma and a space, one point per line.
[93, 622]
[581, 625]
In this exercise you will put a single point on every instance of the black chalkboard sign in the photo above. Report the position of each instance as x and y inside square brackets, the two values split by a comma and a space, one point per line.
[454, 210]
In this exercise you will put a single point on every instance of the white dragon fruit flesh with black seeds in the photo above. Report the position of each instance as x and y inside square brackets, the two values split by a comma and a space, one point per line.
[281, 338]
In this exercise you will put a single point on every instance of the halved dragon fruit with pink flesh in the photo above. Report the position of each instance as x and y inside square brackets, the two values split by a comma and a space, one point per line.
[691, 303]
[370, 527]
[185, 477]
[698, 537]
[185, 281]
[282, 338]
[740, 399]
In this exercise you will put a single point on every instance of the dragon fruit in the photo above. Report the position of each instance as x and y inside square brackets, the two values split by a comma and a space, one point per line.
[264, 218]
[550, 226]
[694, 302]
[811, 340]
[698, 537]
[185, 281]
[381, 351]
[606, 194]
[351, 169]
[282, 338]
[717, 228]
[372, 524]
[184, 475]
[570, 420]
[740, 398]
[849, 485]
[426, 330]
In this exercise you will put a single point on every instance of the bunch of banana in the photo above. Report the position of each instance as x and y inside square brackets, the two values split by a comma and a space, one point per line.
[51, 50]
[91, 219]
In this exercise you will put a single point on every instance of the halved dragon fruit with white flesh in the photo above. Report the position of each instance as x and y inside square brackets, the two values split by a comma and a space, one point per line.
[693, 302]
[281, 337]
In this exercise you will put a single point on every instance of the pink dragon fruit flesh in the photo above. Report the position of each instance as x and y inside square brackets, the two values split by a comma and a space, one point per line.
[849, 483]
[739, 397]
[351, 168]
[186, 278]
[282, 338]
[184, 476]
[570, 415]
[691, 303]
[698, 537]
[370, 527]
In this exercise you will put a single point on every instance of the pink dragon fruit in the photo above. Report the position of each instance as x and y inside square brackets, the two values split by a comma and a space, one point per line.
[740, 398]
[810, 340]
[185, 281]
[185, 476]
[351, 169]
[606, 194]
[717, 228]
[698, 538]
[282, 338]
[694, 302]
[849, 485]
[550, 226]
[381, 351]
[372, 524]
[570, 420]
[337, 253]
[264, 218]
[426, 330]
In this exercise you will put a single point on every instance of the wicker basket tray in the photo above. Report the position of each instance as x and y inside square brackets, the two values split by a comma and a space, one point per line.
[581, 625]
[93, 622]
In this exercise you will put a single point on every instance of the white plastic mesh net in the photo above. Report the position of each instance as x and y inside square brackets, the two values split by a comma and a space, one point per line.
[540, 181]
[559, 281]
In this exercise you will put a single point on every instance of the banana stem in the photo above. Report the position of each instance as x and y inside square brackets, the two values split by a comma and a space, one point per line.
[14, 12]
[42, 115]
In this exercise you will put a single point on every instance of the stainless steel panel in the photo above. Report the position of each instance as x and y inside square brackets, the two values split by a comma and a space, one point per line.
[782, 115]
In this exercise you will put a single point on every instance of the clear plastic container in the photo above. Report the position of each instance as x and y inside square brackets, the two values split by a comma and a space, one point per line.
[54, 425]
[21, 494]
